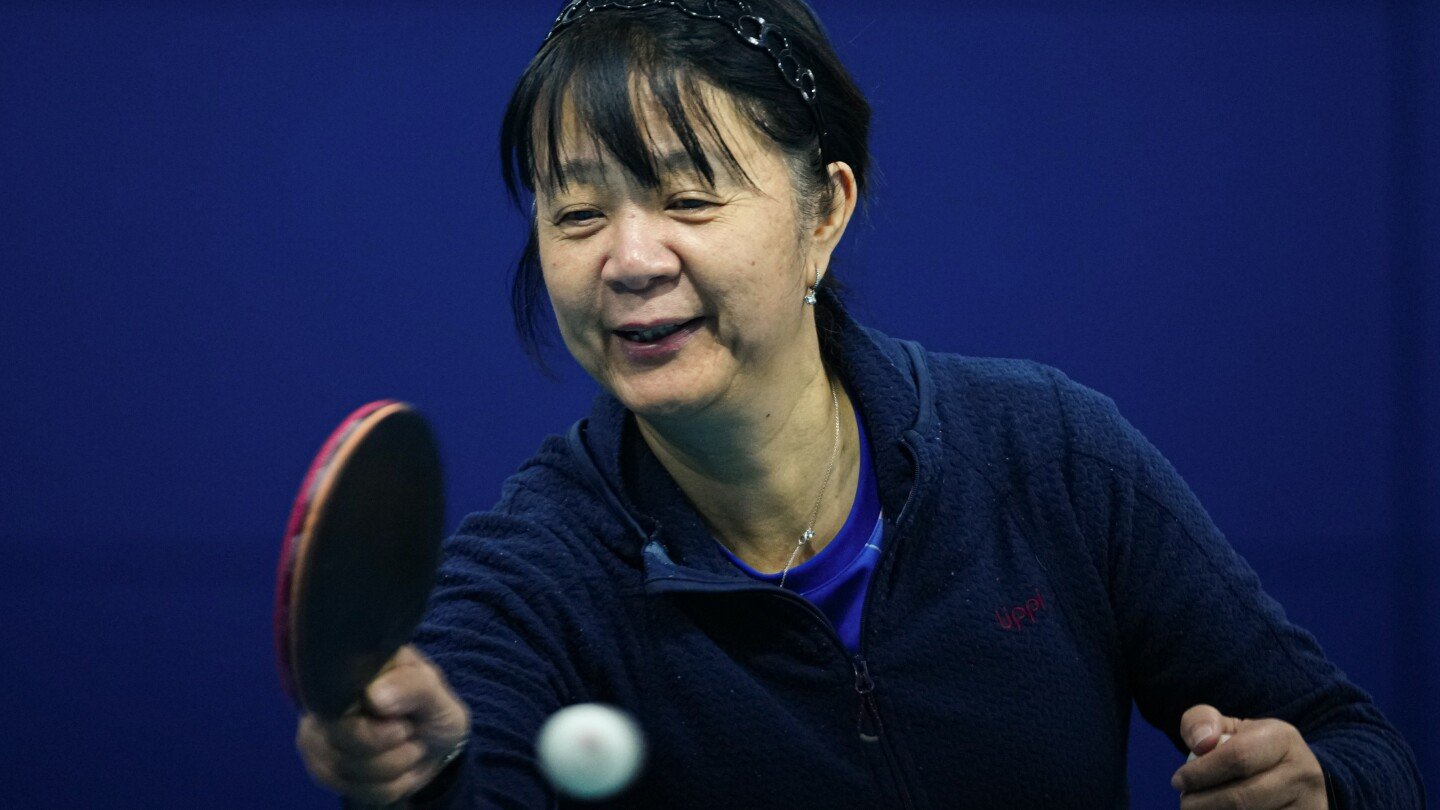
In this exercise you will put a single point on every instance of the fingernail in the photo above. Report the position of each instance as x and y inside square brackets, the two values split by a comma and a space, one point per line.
[1201, 733]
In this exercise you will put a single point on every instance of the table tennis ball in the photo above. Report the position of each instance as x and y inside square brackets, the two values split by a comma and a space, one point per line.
[1224, 738]
[590, 750]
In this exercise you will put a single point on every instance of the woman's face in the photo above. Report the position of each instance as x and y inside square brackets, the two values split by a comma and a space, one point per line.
[685, 296]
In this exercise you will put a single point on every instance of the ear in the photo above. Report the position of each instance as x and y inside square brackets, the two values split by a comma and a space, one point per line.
[832, 223]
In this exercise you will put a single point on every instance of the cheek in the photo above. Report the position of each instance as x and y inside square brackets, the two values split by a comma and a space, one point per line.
[566, 284]
[572, 312]
[574, 298]
[766, 288]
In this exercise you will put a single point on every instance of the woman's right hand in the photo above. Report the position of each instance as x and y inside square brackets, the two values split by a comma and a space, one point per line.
[395, 740]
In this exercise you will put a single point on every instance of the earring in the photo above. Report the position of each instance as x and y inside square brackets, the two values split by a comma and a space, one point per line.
[810, 293]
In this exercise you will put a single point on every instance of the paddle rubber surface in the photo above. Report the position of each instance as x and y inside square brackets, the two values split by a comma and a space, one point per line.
[359, 555]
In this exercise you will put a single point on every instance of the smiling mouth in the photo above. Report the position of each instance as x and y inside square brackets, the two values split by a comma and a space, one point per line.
[655, 333]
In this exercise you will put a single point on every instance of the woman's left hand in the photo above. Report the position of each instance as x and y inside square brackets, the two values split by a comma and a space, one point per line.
[1263, 764]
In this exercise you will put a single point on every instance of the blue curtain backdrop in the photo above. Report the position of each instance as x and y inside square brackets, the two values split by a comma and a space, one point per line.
[222, 226]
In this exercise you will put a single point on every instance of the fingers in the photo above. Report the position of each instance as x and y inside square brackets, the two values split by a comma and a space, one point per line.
[363, 736]
[1256, 747]
[400, 687]
[1263, 764]
[1224, 738]
[353, 756]
[412, 688]
[1275, 788]
[381, 768]
[1202, 726]
[392, 742]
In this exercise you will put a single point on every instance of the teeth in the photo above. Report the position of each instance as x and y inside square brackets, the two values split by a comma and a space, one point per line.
[650, 335]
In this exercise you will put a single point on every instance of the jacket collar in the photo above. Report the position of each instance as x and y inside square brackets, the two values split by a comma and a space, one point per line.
[889, 384]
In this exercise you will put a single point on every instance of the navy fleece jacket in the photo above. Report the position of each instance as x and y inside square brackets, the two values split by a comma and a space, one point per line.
[1044, 567]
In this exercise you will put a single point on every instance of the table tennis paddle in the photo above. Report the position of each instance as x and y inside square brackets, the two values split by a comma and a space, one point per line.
[359, 556]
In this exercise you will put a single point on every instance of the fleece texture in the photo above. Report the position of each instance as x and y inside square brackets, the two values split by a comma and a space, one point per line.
[1044, 567]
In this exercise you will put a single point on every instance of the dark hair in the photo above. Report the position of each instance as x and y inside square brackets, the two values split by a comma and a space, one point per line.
[595, 63]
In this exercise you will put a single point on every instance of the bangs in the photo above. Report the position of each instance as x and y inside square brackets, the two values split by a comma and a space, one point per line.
[599, 88]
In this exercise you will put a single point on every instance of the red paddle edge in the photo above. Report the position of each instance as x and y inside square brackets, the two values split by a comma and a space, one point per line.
[285, 572]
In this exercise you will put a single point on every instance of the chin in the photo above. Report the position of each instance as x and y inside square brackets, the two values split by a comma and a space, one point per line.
[661, 407]
[685, 385]
[667, 401]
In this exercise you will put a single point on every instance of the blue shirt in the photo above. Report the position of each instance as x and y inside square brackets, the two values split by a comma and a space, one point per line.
[837, 579]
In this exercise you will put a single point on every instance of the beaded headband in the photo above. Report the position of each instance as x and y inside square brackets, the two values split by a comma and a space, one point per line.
[751, 28]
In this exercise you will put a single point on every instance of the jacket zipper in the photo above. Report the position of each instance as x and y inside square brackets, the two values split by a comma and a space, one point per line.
[872, 729]
[869, 726]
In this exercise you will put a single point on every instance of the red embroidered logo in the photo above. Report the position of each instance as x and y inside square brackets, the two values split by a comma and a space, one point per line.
[1014, 618]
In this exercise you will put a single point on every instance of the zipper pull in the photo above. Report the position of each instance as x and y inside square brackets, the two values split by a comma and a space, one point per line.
[868, 723]
[863, 683]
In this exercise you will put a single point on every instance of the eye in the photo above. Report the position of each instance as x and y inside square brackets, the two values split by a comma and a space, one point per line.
[579, 216]
[691, 204]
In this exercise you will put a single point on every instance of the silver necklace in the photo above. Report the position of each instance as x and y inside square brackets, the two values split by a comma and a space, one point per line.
[809, 533]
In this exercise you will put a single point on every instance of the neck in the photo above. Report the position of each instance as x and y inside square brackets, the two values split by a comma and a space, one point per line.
[755, 472]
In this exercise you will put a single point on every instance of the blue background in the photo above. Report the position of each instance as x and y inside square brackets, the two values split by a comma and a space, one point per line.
[223, 226]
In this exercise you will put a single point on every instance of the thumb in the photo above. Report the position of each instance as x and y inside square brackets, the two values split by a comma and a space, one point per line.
[394, 692]
[413, 688]
[1201, 727]
[406, 656]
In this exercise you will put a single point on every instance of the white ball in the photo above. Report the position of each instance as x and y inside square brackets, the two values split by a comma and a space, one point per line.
[590, 750]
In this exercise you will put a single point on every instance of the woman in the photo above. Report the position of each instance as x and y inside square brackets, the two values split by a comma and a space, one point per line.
[821, 566]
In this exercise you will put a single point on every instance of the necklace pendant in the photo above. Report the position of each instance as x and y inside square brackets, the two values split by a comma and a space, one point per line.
[807, 536]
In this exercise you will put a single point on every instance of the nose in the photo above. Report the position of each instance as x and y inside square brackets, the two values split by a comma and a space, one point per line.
[639, 256]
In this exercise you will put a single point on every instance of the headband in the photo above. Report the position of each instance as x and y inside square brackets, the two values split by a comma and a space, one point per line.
[751, 28]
